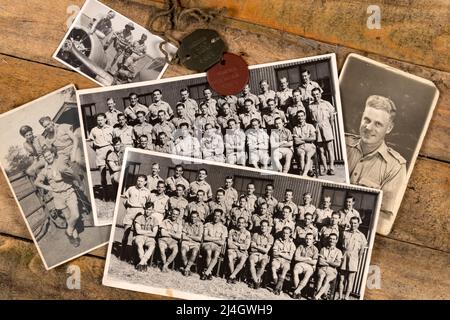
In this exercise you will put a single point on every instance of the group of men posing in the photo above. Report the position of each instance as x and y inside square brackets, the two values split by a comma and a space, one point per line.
[181, 218]
[52, 155]
[131, 51]
[271, 128]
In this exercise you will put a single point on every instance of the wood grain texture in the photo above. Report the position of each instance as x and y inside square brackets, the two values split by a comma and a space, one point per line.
[20, 266]
[257, 44]
[415, 31]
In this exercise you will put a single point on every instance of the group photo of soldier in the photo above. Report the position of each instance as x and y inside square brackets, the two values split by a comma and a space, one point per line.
[43, 158]
[286, 119]
[272, 236]
[109, 48]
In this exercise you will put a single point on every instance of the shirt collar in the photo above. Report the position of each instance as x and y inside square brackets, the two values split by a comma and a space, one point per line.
[382, 149]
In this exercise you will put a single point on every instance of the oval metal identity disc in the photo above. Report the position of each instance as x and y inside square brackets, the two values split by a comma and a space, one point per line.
[201, 49]
[229, 76]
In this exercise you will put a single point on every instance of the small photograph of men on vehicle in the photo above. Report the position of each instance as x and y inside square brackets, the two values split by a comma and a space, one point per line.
[110, 49]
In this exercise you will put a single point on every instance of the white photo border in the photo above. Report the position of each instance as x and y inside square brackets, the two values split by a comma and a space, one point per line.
[174, 293]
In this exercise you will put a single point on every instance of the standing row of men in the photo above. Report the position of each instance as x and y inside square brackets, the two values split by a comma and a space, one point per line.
[272, 128]
[181, 219]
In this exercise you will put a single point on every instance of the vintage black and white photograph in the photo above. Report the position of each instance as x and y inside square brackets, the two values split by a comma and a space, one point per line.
[386, 115]
[195, 229]
[43, 160]
[287, 119]
[110, 49]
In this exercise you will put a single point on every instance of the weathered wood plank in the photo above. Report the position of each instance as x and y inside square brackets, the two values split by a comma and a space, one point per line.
[257, 44]
[416, 31]
[423, 222]
[407, 272]
[21, 269]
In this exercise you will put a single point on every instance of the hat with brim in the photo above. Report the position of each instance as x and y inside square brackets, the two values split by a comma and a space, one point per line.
[129, 25]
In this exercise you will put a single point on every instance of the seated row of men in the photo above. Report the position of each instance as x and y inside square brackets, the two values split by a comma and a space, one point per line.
[204, 225]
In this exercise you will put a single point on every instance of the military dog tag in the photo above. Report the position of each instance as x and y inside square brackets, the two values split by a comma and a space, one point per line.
[201, 49]
[229, 76]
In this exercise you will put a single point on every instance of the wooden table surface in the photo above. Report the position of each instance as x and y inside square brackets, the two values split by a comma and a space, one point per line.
[414, 260]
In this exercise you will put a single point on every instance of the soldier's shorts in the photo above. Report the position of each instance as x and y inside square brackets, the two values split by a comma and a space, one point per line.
[328, 272]
[324, 132]
[67, 198]
[238, 253]
[211, 246]
[168, 241]
[350, 262]
[259, 257]
[144, 240]
[281, 263]
[258, 156]
[189, 245]
[100, 155]
[306, 148]
[304, 267]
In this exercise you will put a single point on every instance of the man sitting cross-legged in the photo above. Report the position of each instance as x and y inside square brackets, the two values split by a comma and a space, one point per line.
[305, 258]
[283, 251]
[145, 230]
[238, 244]
[190, 243]
[214, 236]
[170, 235]
[259, 248]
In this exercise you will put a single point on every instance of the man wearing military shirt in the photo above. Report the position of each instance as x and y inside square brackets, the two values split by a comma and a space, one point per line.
[307, 206]
[210, 103]
[322, 115]
[173, 181]
[348, 212]
[219, 203]
[214, 236]
[201, 184]
[101, 137]
[323, 215]
[247, 95]
[307, 86]
[305, 258]
[186, 144]
[158, 105]
[231, 194]
[353, 244]
[145, 230]
[143, 143]
[372, 163]
[260, 246]
[248, 114]
[234, 143]
[288, 196]
[114, 163]
[162, 125]
[154, 177]
[58, 178]
[240, 212]
[304, 135]
[303, 227]
[131, 110]
[170, 234]
[294, 108]
[121, 40]
[160, 200]
[330, 259]
[199, 205]
[141, 127]
[190, 104]
[190, 243]
[112, 113]
[135, 199]
[331, 227]
[261, 214]
[271, 114]
[211, 144]
[266, 94]
[283, 221]
[163, 144]
[282, 253]
[231, 101]
[178, 201]
[203, 119]
[284, 96]
[268, 198]
[124, 131]
[281, 143]
[238, 244]
[251, 197]
[226, 115]
[181, 115]
[258, 145]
